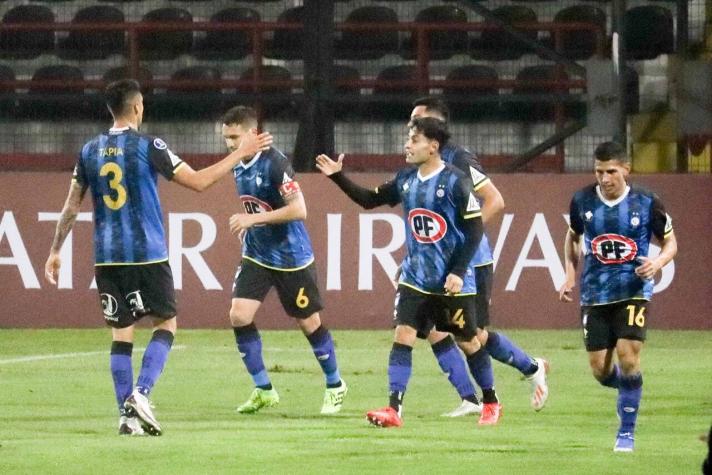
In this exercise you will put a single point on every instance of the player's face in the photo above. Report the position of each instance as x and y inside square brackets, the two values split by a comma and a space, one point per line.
[423, 111]
[233, 134]
[611, 176]
[418, 148]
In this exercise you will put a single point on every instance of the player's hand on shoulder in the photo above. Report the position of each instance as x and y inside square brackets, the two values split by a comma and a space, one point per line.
[453, 284]
[252, 143]
[328, 166]
[52, 268]
[565, 291]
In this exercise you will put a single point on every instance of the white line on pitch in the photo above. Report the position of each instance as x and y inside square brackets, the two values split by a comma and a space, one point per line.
[24, 359]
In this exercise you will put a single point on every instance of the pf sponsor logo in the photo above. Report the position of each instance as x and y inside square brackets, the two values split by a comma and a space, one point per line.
[427, 227]
[253, 205]
[613, 248]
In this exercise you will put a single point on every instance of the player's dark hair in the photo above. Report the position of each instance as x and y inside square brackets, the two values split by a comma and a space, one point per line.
[118, 94]
[431, 128]
[433, 103]
[611, 151]
[240, 115]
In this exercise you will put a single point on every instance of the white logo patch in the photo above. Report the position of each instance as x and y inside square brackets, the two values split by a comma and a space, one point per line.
[258, 180]
[440, 193]
[175, 159]
[473, 204]
[476, 175]
[285, 178]
[109, 305]
[588, 215]
[159, 144]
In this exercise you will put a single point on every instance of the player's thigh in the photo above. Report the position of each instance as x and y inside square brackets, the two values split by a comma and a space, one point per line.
[457, 315]
[154, 294]
[298, 291]
[596, 323]
[631, 320]
[110, 283]
[252, 281]
[485, 277]
[414, 309]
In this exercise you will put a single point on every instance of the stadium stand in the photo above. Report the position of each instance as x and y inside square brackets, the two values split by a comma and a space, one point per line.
[581, 44]
[27, 44]
[85, 45]
[221, 45]
[649, 31]
[287, 44]
[156, 45]
[371, 44]
[496, 45]
[463, 99]
[441, 44]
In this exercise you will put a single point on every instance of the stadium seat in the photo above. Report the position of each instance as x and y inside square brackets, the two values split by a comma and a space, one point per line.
[124, 72]
[27, 44]
[287, 44]
[460, 97]
[7, 99]
[393, 102]
[228, 44]
[85, 45]
[536, 110]
[496, 45]
[346, 98]
[580, 44]
[368, 44]
[441, 44]
[185, 102]
[649, 32]
[52, 102]
[275, 101]
[166, 44]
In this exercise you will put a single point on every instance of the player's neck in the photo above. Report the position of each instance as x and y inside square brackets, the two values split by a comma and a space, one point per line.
[430, 165]
[122, 123]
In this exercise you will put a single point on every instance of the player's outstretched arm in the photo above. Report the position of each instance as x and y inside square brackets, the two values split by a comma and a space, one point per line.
[203, 179]
[572, 251]
[363, 197]
[66, 221]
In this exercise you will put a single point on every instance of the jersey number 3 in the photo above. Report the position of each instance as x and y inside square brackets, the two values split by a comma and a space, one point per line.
[116, 175]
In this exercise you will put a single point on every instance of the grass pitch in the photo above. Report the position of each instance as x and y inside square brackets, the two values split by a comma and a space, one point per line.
[57, 410]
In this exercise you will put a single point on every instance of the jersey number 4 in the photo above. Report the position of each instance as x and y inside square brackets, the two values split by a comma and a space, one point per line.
[115, 174]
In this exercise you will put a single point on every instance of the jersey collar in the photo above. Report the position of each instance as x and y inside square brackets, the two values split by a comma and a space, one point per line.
[252, 161]
[612, 203]
[426, 178]
[118, 130]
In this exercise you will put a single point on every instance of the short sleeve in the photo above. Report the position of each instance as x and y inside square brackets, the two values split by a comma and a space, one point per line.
[163, 159]
[661, 222]
[282, 175]
[467, 162]
[575, 222]
[79, 174]
[465, 200]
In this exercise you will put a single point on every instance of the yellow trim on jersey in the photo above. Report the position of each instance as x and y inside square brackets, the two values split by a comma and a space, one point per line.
[472, 215]
[479, 185]
[616, 301]
[489, 263]
[432, 293]
[277, 268]
[103, 264]
[667, 233]
[178, 167]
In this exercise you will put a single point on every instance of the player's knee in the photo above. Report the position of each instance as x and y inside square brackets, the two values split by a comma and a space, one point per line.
[482, 336]
[310, 324]
[470, 347]
[629, 365]
[238, 318]
[170, 325]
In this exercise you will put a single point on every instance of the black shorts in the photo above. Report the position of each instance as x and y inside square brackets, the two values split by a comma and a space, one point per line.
[603, 325]
[424, 312]
[129, 292]
[297, 289]
[484, 276]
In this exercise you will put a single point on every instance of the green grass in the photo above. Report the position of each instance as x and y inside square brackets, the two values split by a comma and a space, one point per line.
[58, 415]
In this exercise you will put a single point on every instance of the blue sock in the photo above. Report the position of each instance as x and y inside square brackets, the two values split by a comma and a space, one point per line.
[323, 346]
[249, 344]
[451, 362]
[613, 380]
[400, 365]
[505, 351]
[480, 365]
[154, 359]
[629, 393]
[121, 371]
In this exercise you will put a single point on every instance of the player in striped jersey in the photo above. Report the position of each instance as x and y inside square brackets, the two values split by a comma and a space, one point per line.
[120, 167]
[437, 285]
[617, 220]
[276, 252]
[496, 343]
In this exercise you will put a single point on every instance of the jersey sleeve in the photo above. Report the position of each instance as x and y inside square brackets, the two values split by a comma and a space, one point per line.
[163, 159]
[467, 162]
[575, 222]
[661, 222]
[79, 173]
[465, 200]
[387, 193]
[282, 177]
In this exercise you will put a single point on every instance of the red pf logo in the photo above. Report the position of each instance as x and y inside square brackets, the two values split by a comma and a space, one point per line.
[614, 248]
[427, 227]
[253, 205]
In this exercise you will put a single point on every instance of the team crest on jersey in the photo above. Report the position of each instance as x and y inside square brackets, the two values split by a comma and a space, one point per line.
[440, 193]
[588, 215]
[258, 180]
[427, 227]
[635, 220]
[614, 248]
[159, 144]
[253, 205]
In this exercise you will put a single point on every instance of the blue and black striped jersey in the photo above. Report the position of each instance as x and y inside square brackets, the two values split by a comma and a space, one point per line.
[614, 234]
[434, 209]
[468, 162]
[120, 167]
[261, 184]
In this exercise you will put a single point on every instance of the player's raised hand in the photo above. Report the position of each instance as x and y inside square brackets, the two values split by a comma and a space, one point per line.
[453, 284]
[253, 142]
[327, 166]
[52, 268]
[565, 291]
[239, 223]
